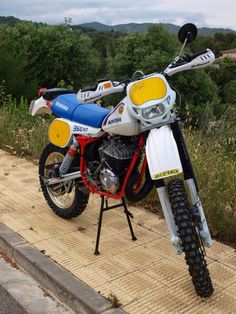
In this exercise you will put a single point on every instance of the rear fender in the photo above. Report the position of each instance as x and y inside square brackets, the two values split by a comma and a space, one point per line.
[39, 106]
[162, 153]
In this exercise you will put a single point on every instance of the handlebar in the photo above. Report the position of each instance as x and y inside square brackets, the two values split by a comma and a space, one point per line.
[115, 82]
[103, 88]
[109, 86]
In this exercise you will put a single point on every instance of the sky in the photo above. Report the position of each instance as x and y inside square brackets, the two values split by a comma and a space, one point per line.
[209, 13]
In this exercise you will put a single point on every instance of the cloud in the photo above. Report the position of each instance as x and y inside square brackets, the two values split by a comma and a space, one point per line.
[117, 12]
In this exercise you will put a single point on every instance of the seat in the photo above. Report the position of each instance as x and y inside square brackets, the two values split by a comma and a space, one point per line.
[52, 93]
[68, 107]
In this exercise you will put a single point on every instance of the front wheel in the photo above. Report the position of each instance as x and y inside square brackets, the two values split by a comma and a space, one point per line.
[68, 199]
[188, 234]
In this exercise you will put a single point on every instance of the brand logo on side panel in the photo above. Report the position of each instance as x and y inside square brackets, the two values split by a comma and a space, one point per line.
[114, 120]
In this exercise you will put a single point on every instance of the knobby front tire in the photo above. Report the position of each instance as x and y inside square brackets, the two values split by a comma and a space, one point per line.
[189, 239]
[66, 204]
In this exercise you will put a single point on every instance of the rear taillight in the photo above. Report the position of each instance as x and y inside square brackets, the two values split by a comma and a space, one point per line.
[41, 91]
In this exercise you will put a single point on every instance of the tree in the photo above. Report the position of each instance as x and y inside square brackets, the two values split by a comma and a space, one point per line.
[222, 74]
[13, 58]
[155, 48]
[230, 92]
[33, 55]
[56, 53]
[199, 95]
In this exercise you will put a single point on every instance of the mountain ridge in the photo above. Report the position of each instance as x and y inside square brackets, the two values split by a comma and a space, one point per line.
[142, 28]
[124, 28]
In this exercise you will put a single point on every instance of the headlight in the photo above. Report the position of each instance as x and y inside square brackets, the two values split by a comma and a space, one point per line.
[153, 111]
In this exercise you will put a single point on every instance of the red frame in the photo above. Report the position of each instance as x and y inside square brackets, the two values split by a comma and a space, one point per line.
[84, 141]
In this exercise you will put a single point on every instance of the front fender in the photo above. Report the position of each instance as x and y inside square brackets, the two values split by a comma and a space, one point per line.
[162, 153]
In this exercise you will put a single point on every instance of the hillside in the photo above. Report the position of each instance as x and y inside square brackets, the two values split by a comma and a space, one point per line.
[10, 20]
[141, 28]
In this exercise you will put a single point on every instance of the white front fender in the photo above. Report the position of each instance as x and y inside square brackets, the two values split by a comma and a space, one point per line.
[162, 153]
[39, 106]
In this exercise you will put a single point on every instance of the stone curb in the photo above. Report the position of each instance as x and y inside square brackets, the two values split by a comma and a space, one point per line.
[66, 287]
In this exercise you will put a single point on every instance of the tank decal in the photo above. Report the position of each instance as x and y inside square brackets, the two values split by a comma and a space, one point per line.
[116, 120]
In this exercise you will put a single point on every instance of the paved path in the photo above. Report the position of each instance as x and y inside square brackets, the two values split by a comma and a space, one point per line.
[145, 275]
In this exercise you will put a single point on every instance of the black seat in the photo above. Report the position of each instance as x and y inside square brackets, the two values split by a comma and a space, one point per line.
[52, 93]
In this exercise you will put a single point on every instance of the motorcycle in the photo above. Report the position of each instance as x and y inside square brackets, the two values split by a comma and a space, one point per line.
[126, 152]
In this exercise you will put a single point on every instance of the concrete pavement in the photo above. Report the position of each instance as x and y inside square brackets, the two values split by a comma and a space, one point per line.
[146, 275]
[20, 294]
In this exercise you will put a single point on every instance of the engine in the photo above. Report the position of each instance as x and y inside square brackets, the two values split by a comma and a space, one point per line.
[108, 170]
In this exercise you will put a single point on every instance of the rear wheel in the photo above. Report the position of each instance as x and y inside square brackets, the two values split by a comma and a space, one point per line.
[188, 233]
[68, 199]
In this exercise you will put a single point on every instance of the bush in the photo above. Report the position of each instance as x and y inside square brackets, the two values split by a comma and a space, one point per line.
[2, 92]
[214, 163]
[20, 133]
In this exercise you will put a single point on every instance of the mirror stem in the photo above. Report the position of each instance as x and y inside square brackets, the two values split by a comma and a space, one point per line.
[185, 42]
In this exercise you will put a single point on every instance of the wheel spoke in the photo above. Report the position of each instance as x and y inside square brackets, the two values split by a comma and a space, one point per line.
[62, 194]
[65, 198]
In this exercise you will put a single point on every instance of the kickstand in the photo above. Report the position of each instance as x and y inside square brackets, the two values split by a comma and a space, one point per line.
[105, 208]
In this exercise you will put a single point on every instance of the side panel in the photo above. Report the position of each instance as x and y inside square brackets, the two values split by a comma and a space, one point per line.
[162, 153]
[61, 131]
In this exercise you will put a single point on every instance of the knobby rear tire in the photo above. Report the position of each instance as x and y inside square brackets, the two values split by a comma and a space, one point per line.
[81, 195]
[186, 230]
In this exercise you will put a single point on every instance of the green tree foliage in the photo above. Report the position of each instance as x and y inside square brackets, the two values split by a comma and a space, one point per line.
[13, 58]
[34, 55]
[218, 43]
[105, 45]
[230, 92]
[144, 52]
[199, 97]
[56, 53]
[222, 74]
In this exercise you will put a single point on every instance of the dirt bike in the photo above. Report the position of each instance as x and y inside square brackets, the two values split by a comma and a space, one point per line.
[126, 151]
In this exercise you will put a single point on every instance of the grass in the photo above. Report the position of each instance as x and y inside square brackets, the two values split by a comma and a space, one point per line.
[21, 134]
[214, 159]
[212, 152]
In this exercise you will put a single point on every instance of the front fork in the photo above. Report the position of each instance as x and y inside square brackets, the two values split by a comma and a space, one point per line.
[193, 190]
[195, 199]
[165, 204]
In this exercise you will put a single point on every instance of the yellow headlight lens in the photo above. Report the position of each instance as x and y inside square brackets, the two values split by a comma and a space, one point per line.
[146, 90]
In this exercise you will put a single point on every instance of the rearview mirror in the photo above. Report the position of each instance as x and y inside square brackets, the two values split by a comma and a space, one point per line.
[187, 33]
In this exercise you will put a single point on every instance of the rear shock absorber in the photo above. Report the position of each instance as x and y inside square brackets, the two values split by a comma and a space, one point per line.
[69, 157]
